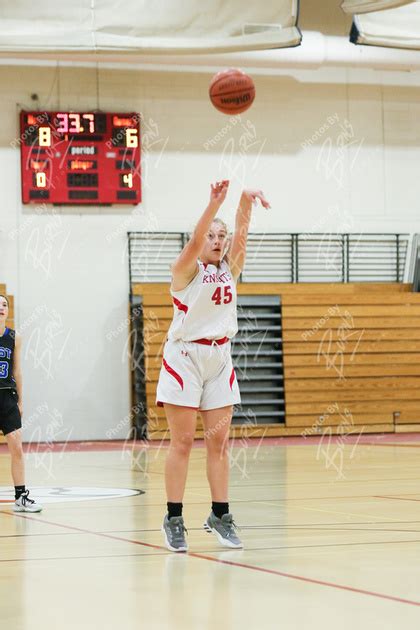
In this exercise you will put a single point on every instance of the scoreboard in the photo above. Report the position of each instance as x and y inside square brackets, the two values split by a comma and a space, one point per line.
[80, 158]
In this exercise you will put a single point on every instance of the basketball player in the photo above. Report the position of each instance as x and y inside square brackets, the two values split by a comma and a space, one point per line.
[197, 370]
[11, 407]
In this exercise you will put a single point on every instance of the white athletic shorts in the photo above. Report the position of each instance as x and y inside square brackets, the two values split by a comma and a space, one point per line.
[197, 375]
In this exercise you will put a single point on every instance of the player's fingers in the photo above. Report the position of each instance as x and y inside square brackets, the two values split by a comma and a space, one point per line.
[262, 197]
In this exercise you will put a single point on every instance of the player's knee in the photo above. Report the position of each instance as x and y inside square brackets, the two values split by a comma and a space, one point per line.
[16, 450]
[183, 443]
[218, 443]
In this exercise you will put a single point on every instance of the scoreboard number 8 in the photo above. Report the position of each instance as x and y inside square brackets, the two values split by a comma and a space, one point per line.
[44, 134]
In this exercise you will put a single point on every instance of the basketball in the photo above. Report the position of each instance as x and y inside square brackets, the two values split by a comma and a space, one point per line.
[232, 91]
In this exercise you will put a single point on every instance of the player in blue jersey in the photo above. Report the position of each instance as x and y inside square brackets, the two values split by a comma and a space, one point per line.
[11, 407]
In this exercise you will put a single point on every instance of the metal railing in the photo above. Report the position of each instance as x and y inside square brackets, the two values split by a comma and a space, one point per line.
[304, 257]
[414, 271]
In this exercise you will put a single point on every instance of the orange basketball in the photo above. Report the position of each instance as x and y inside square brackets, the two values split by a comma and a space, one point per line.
[232, 91]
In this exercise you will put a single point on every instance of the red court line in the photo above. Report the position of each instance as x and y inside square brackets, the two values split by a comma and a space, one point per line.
[391, 445]
[251, 567]
[379, 439]
[80, 529]
[302, 578]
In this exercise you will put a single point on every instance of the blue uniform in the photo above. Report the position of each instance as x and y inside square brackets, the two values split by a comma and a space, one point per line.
[10, 418]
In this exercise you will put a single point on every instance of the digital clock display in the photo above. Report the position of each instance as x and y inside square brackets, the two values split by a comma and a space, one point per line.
[80, 158]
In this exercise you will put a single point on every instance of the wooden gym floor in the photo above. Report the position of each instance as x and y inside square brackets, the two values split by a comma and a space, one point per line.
[331, 529]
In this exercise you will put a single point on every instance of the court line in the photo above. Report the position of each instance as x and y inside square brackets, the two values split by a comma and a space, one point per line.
[251, 567]
[271, 502]
[310, 509]
[318, 483]
[80, 529]
[117, 555]
[291, 440]
[328, 546]
[392, 444]
[285, 484]
[395, 498]
[166, 553]
[308, 526]
[327, 527]
[312, 580]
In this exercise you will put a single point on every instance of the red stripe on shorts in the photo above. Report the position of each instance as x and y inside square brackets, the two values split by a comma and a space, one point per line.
[232, 378]
[172, 372]
[180, 305]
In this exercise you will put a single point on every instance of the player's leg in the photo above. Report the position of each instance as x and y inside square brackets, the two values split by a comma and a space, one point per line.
[216, 424]
[14, 442]
[22, 501]
[216, 435]
[182, 422]
[11, 425]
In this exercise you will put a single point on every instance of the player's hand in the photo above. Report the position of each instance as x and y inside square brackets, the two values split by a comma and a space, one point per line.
[20, 407]
[218, 192]
[253, 196]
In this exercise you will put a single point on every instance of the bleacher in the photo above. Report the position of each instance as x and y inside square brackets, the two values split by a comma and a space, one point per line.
[351, 355]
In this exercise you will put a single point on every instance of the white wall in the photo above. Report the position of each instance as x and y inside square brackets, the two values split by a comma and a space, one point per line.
[333, 150]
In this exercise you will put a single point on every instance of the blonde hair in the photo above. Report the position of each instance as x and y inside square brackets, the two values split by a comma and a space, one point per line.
[222, 223]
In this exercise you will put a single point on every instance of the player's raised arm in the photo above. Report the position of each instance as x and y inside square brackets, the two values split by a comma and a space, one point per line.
[237, 249]
[184, 267]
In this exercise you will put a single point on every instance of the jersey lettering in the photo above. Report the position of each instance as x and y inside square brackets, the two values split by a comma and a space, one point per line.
[4, 369]
[217, 297]
[213, 277]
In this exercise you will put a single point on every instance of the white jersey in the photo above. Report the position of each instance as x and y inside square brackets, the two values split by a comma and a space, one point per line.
[207, 306]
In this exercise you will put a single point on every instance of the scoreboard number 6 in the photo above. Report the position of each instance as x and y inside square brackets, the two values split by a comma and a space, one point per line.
[131, 138]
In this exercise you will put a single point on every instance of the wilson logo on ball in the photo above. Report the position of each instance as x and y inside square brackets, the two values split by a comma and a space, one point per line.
[232, 91]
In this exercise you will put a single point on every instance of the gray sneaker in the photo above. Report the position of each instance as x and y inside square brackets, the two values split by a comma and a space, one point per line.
[224, 529]
[25, 504]
[174, 532]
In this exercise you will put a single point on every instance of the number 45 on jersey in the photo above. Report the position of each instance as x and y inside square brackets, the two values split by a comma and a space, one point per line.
[217, 296]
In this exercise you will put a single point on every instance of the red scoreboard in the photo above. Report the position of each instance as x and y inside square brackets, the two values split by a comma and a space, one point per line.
[80, 158]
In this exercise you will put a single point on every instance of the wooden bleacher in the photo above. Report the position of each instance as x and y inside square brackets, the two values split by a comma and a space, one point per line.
[357, 371]
[10, 322]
